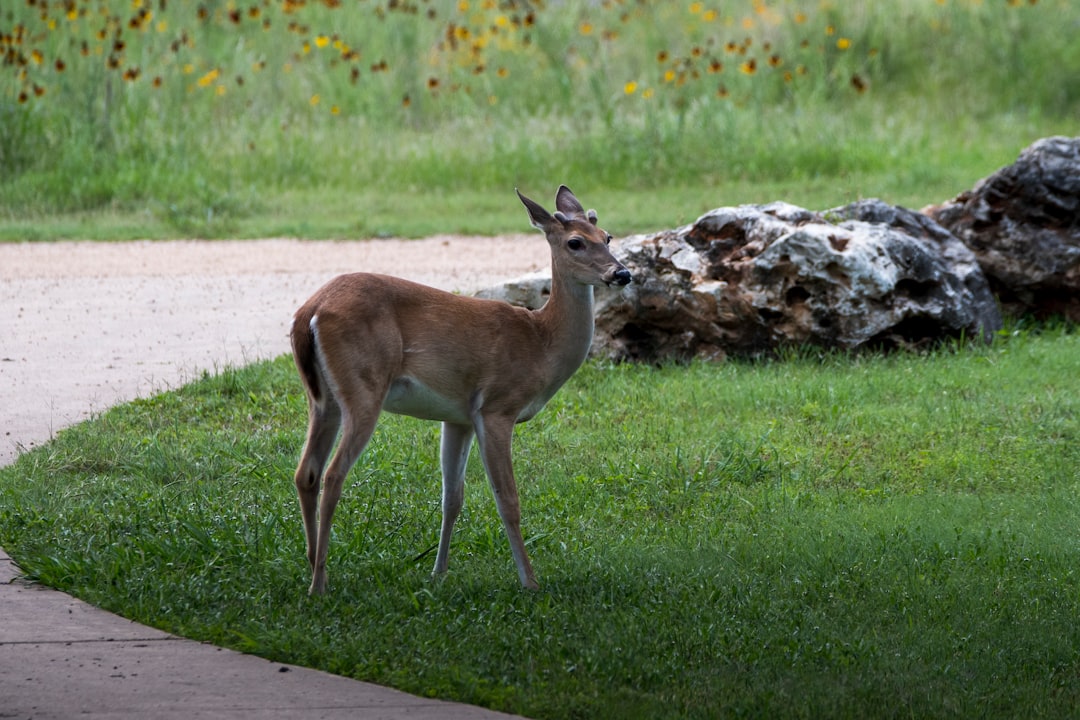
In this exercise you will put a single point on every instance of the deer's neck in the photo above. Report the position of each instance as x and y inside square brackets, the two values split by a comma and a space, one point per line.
[567, 318]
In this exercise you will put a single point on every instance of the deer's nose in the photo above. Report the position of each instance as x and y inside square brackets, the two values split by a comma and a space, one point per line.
[622, 276]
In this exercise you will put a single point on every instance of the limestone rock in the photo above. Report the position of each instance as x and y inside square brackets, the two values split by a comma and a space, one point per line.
[1023, 224]
[749, 280]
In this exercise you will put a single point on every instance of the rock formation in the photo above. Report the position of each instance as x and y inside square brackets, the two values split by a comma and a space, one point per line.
[1023, 224]
[749, 280]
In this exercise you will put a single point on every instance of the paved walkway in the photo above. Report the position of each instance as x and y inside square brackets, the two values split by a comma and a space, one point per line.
[62, 658]
[87, 325]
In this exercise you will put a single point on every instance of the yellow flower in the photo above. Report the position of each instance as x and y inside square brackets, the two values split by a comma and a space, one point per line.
[630, 88]
[335, 110]
[696, 7]
[209, 78]
[647, 93]
[586, 28]
[843, 43]
[709, 16]
[315, 100]
[321, 41]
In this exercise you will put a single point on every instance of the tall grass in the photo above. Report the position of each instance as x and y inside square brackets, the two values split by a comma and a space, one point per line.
[205, 110]
[820, 537]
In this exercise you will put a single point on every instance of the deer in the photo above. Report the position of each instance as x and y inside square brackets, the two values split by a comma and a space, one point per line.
[364, 343]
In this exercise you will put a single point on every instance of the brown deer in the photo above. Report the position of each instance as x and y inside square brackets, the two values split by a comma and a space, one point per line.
[365, 343]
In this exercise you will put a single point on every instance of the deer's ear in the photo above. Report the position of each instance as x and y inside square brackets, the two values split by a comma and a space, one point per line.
[567, 203]
[538, 216]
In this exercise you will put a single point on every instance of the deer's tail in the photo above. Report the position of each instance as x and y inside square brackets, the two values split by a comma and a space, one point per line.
[303, 345]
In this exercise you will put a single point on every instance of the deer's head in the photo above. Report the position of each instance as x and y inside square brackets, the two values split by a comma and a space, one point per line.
[579, 247]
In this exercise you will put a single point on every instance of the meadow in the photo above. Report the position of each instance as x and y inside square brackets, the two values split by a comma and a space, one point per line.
[820, 535]
[355, 118]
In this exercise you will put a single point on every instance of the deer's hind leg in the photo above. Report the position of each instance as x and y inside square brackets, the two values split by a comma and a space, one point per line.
[324, 421]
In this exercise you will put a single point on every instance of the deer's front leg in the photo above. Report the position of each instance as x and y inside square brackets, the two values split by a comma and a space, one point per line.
[454, 453]
[494, 435]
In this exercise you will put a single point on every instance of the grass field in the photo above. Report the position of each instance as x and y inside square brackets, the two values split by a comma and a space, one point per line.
[122, 118]
[819, 537]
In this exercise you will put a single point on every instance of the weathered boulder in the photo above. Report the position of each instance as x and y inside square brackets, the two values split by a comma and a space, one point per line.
[1023, 224]
[749, 280]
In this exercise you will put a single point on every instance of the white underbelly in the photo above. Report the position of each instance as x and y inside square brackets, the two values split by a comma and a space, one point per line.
[409, 396]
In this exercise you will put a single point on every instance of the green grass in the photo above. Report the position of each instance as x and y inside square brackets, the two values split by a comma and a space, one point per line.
[230, 127]
[825, 536]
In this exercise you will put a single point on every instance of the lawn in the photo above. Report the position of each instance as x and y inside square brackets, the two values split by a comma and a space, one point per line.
[821, 536]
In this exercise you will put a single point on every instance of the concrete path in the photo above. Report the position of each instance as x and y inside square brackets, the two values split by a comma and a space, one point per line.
[87, 325]
[62, 658]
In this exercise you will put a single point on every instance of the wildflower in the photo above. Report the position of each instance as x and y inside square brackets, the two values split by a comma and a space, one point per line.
[321, 41]
[315, 100]
[696, 8]
[208, 79]
[858, 83]
[749, 67]
[709, 15]
[630, 88]
[586, 28]
[843, 43]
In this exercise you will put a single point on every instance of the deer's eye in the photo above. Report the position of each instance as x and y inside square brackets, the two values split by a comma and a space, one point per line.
[575, 243]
